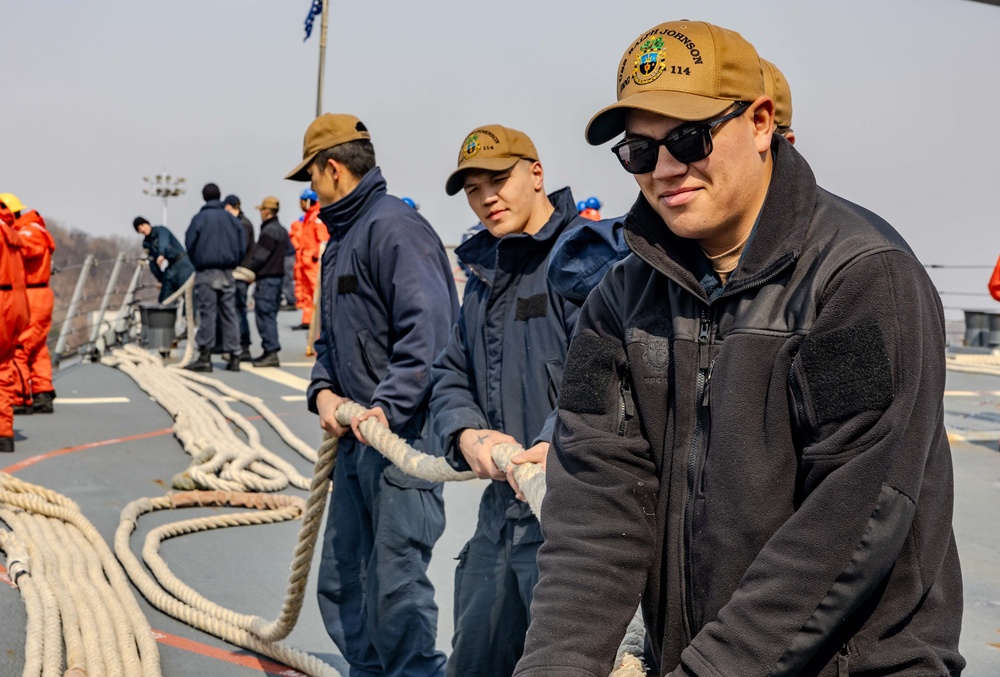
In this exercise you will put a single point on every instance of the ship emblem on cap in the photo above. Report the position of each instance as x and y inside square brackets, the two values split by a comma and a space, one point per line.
[470, 148]
[650, 62]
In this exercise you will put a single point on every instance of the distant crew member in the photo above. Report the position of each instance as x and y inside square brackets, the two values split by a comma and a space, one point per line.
[388, 302]
[312, 235]
[590, 209]
[498, 381]
[14, 317]
[232, 205]
[34, 365]
[267, 263]
[167, 260]
[215, 243]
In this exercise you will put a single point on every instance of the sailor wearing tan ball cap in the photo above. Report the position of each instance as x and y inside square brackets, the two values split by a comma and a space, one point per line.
[750, 437]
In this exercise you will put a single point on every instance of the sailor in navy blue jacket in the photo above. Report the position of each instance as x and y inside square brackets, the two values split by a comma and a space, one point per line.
[163, 247]
[498, 380]
[387, 302]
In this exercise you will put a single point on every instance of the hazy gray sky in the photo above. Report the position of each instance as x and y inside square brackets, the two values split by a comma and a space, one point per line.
[895, 101]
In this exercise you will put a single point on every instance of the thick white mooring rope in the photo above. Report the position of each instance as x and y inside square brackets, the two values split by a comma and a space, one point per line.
[222, 460]
[210, 444]
[76, 595]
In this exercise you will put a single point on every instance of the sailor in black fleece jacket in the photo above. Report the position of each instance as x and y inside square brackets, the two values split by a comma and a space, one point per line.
[750, 438]
[267, 262]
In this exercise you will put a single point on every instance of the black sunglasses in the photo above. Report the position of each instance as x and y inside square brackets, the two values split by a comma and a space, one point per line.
[687, 143]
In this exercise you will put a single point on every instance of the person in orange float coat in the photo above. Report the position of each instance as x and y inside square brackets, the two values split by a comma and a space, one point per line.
[312, 234]
[31, 359]
[14, 316]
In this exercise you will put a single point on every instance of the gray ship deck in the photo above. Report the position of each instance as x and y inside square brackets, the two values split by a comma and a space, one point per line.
[108, 444]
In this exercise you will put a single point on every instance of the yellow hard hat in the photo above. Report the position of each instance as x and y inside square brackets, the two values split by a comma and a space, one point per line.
[12, 202]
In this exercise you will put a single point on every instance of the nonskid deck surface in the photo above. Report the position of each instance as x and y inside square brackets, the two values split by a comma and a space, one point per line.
[108, 444]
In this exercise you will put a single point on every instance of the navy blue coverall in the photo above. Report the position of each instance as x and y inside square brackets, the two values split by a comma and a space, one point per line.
[502, 371]
[388, 301]
[161, 242]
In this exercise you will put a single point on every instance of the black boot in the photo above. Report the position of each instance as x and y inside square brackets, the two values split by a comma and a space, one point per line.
[6, 444]
[203, 363]
[245, 355]
[23, 410]
[234, 362]
[42, 403]
[267, 360]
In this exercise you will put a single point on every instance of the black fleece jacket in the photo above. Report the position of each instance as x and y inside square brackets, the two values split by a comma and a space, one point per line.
[267, 257]
[768, 471]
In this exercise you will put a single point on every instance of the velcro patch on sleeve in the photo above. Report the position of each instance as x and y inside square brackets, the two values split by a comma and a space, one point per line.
[347, 284]
[590, 366]
[531, 306]
[848, 371]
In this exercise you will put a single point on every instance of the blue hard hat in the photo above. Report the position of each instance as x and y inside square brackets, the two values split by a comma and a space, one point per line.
[409, 201]
[308, 194]
[581, 205]
[592, 203]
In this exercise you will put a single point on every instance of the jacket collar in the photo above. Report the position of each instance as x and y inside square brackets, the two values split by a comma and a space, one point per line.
[212, 204]
[345, 211]
[481, 251]
[779, 234]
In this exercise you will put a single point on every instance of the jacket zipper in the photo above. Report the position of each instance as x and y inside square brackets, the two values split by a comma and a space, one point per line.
[626, 407]
[843, 669]
[702, 400]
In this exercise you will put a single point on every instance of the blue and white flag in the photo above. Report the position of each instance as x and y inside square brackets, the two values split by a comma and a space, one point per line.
[314, 11]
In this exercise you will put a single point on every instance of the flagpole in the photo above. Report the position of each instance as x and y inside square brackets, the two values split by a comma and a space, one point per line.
[322, 59]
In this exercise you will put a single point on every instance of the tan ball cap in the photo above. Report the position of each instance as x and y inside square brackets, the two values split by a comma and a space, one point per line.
[493, 148]
[327, 131]
[776, 87]
[269, 202]
[688, 70]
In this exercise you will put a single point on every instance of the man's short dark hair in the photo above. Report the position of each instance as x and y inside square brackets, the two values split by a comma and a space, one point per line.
[357, 156]
[139, 220]
[211, 192]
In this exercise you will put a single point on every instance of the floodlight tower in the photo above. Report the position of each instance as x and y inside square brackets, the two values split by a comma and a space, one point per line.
[164, 186]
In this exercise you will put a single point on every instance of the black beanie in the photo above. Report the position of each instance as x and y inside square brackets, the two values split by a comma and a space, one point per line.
[211, 192]
[138, 222]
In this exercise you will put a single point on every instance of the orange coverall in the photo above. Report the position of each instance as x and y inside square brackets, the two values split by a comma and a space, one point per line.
[32, 360]
[313, 233]
[14, 317]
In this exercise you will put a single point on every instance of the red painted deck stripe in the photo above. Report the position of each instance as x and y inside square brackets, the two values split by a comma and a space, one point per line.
[244, 660]
[32, 460]
[192, 646]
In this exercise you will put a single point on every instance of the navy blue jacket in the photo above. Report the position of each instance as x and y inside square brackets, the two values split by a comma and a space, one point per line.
[215, 238]
[503, 366]
[267, 257]
[387, 303]
[582, 256]
[161, 242]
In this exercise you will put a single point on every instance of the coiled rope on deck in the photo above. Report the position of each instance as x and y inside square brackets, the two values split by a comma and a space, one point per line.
[76, 595]
[221, 459]
[215, 467]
